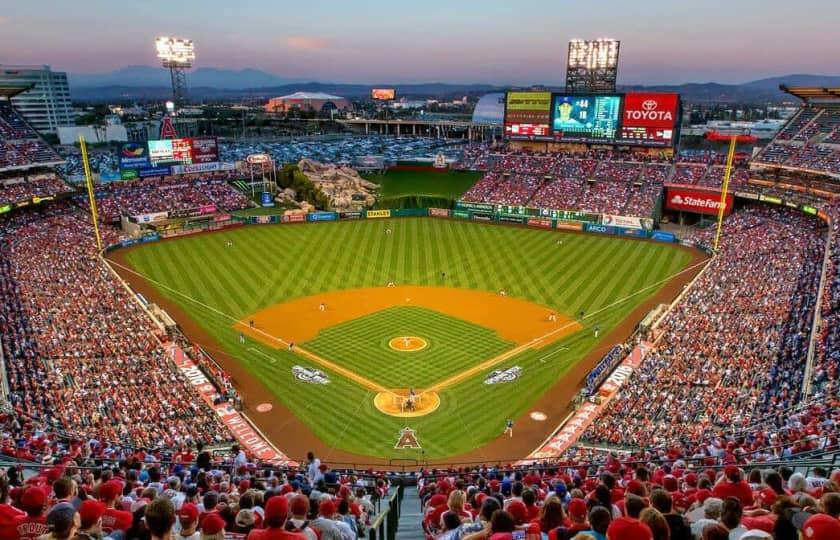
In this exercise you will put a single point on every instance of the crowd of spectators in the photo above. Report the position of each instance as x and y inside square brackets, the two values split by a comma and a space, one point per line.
[808, 141]
[24, 188]
[195, 496]
[19, 144]
[81, 356]
[152, 195]
[662, 498]
[734, 348]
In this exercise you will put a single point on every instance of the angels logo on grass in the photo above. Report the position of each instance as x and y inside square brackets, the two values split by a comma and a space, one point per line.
[503, 375]
[312, 376]
[407, 440]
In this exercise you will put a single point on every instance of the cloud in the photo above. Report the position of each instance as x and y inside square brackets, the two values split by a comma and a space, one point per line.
[307, 43]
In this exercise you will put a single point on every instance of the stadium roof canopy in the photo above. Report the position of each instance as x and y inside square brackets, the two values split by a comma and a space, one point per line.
[490, 109]
[9, 91]
[812, 93]
[310, 95]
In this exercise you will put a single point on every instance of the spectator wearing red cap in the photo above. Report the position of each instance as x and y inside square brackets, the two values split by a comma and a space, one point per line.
[187, 522]
[625, 528]
[33, 501]
[297, 522]
[276, 512]
[578, 514]
[821, 527]
[327, 513]
[114, 519]
[732, 484]
[90, 514]
[213, 527]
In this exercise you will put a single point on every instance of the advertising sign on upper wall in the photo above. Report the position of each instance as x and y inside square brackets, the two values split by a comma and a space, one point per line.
[650, 118]
[697, 201]
[527, 115]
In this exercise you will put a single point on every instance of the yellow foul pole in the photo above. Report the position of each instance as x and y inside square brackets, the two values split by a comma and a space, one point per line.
[94, 215]
[725, 189]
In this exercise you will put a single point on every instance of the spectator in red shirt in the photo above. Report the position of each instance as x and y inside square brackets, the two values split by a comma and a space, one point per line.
[114, 519]
[34, 523]
[732, 484]
[276, 510]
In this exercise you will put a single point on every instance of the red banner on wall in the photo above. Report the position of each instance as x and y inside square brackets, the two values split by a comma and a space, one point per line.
[252, 441]
[699, 201]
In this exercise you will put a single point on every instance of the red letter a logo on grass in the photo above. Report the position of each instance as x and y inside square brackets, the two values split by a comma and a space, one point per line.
[408, 439]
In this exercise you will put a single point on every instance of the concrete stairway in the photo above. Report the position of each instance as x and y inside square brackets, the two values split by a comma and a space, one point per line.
[411, 517]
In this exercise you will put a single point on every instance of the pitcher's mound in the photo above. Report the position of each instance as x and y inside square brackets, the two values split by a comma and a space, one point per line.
[408, 343]
[395, 403]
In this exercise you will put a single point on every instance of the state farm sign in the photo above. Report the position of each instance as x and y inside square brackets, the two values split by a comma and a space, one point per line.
[650, 110]
[697, 201]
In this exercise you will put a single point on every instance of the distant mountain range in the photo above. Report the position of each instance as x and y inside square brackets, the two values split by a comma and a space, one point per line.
[140, 83]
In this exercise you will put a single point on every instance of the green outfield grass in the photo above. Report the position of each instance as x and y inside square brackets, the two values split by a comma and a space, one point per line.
[604, 276]
[362, 345]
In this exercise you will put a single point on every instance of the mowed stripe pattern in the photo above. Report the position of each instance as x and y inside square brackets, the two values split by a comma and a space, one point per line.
[266, 265]
[362, 346]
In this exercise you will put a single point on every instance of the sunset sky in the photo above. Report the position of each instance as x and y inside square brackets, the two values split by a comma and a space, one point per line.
[494, 41]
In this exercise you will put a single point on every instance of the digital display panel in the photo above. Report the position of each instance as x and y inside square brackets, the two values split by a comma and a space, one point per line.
[160, 151]
[650, 118]
[184, 151]
[383, 94]
[583, 117]
[527, 115]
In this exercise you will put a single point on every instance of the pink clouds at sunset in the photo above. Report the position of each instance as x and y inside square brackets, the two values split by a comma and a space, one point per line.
[307, 43]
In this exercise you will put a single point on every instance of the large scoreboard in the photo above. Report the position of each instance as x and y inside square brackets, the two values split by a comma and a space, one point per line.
[585, 118]
[157, 157]
[527, 114]
[637, 119]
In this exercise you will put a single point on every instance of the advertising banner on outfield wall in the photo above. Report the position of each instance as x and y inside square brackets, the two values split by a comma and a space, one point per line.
[350, 215]
[321, 216]
[699, 201]
[663, 236]
[519, 220]
[378, 214]
[602, 229]
[569, 225]
[438, 212]
[540, 223]
[636, 233]
[627, 221]
[295, 217]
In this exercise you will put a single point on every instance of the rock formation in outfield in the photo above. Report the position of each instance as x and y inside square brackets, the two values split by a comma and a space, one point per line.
[343, 185]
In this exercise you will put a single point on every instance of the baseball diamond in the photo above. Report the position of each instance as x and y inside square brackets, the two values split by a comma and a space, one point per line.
[333, 296]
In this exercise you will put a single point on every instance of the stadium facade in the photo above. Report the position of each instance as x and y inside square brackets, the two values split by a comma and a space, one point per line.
[307, 101]
[46, 105]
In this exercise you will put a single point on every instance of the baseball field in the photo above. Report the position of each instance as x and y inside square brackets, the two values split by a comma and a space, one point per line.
[330, 330]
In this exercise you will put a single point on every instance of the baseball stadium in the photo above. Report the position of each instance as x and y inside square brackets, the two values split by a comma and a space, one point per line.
[570, 317]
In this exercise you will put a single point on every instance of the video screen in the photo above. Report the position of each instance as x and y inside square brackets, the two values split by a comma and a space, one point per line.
[383, 94]
[585, 117]
[527, 115]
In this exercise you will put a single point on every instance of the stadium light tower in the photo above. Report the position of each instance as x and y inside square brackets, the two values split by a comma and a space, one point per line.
[592, 66]
[177, 55]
